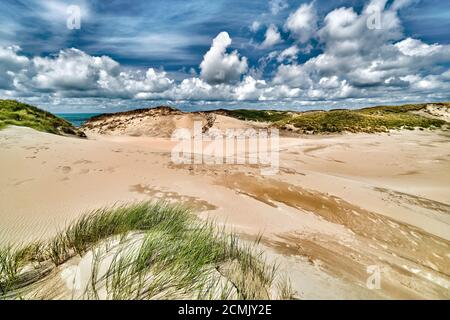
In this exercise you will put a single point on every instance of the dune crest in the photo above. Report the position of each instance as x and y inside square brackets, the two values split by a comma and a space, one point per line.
[159, 122]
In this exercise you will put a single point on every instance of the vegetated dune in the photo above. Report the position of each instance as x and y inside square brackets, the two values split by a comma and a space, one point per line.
[368, 120]
[20, 114]
[162, 121]
[140, 251]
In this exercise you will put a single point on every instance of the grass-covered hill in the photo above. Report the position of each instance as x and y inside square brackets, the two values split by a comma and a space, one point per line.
[20, 114]
[373, 119]
[369, 120]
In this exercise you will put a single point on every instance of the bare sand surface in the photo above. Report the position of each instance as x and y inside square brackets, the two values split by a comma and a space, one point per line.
[338, 205]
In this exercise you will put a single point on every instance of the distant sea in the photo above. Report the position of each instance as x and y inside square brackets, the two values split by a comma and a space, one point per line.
[77, 119]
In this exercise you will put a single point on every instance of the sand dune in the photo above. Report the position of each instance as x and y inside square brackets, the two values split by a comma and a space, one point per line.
[338, 205]
[159, 122]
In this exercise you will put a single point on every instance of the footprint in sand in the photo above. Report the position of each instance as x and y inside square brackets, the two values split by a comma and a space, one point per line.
[84, 171]
[82, 161]
[66, 169]
[111, 169]
[23, 181]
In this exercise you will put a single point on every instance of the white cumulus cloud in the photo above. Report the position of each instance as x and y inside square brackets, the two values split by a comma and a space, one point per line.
[355, 63]
[218, 66]
[302, 23]
[289, 54]
[272, 37]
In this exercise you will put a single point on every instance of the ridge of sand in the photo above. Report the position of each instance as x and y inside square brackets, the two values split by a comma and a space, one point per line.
[436, 111]
[160, 122]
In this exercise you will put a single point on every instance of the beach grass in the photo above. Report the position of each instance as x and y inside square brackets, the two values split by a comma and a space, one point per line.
[259, 115]
[162, 251]
[10, 262]
[20, 114]
[365, 120]
[369, 120]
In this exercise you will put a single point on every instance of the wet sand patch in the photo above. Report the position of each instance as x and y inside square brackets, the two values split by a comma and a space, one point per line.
[403, 240]
[399, 278]
[157, 193]
[397, 196]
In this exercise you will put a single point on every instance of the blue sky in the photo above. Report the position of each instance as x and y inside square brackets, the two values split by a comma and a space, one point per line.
[44, 62]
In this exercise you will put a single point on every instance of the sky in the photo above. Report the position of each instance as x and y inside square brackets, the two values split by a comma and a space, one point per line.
[105, 56]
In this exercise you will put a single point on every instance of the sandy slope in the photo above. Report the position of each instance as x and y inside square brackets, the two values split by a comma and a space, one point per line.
[339, 203]
[159, 122]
